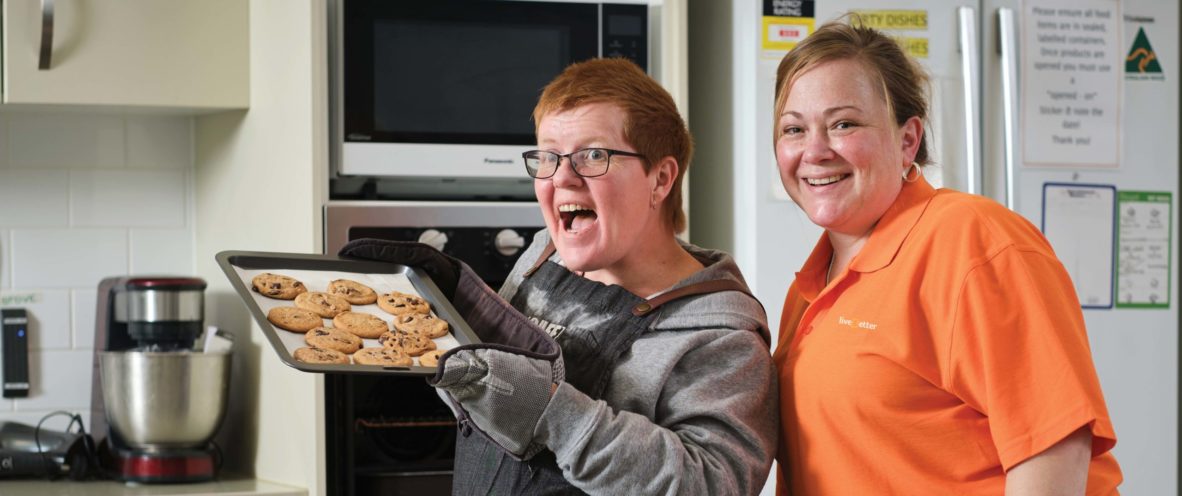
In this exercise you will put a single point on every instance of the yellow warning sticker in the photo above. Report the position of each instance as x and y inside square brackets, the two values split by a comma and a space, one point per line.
[915, 20]
[915, 47]
[783, 33]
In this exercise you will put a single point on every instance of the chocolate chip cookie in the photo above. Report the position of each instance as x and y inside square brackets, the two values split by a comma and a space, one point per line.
[360, 324]
[401, 303]
[420, 323]
[323, 304]
[277, 286]
[332, 339]
[431, 358]
[294, 319]
[409, 342]
[390, 357]
[319, 355]
[352, 291]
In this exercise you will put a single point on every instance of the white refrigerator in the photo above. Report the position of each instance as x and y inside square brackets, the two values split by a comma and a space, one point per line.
[1064, 110]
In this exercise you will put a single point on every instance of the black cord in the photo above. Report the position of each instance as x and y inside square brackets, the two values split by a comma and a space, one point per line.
[86, 441]
[219, 457]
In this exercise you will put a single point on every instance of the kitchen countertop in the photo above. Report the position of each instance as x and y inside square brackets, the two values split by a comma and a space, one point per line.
[237, 487]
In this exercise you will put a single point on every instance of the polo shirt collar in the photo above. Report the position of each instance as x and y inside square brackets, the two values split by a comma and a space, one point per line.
[880, 250]
[894, 226]
[811, 278]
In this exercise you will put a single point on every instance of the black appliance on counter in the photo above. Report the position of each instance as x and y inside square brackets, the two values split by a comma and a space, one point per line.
[34, 452]
[394, 435]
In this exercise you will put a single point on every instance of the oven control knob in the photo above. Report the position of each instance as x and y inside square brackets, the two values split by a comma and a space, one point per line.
[508, 242]
[434, 239]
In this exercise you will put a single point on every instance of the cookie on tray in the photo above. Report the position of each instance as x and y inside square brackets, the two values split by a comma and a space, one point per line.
[277, 286]
[323, 304]
[410, 343]
[320, 355]
[421, 323]
[333, 339]
[360, 324]
[390, 357]
[294, 319]
[401, 303]
[352, 291]
[431, 358]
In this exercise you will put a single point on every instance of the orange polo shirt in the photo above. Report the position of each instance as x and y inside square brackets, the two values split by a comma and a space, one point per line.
[951, 349]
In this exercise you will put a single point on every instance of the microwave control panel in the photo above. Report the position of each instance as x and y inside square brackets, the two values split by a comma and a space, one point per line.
[625, 32]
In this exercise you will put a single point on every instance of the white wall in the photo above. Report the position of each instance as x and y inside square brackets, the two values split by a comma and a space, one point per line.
[83, 197]
[261, 181]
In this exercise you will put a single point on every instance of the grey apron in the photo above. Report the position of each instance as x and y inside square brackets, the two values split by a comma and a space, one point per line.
[590, 356]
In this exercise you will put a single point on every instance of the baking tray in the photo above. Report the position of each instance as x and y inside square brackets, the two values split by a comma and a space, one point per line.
[316, 271]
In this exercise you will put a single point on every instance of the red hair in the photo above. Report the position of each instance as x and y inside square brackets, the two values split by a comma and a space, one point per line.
[652, 123]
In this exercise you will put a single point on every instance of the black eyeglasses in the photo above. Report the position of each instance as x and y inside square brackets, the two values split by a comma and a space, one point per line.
[588, 162]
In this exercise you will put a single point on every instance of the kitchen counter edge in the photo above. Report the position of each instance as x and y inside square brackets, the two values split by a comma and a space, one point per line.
[237, 487]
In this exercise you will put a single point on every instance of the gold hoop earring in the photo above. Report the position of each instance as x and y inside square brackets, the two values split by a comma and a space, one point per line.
[915, 177]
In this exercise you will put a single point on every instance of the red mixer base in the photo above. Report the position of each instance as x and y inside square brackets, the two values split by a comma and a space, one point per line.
[165, 466]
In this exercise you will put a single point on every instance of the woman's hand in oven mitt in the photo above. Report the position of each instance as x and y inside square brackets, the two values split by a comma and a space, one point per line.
[444, 270]
[504, 392]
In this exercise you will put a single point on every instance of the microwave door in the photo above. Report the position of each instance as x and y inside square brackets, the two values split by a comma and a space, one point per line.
[446, 89]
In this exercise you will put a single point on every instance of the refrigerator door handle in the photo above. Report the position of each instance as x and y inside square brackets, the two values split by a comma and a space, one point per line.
[1008, 37]
[970, 68]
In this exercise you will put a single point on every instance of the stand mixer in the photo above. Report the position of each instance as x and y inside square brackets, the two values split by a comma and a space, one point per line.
[158, 401]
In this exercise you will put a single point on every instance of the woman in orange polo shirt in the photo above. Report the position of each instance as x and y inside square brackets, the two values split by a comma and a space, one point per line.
[932, 343]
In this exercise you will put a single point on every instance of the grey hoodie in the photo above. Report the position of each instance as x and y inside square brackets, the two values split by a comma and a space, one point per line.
[692, 409]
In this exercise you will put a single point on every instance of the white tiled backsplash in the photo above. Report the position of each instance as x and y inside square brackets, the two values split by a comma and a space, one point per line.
[83, 197]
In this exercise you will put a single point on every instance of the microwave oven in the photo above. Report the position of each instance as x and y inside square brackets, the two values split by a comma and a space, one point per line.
[429, 90]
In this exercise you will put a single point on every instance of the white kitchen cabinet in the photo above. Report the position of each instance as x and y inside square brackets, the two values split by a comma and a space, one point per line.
[162, 54]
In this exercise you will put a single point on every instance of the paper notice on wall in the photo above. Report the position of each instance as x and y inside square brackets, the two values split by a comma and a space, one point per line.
[785, 23]
[907, 27]
[1080, 222]
[1071, 76]
[1143, 248]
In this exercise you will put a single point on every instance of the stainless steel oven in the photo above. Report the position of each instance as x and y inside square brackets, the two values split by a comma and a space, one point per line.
[394, 436]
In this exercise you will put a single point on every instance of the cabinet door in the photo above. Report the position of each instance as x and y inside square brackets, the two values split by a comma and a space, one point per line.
[181, 54]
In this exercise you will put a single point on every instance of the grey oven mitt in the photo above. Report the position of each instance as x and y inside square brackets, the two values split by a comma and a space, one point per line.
[504, 392]
[502, 384]
[443, 270]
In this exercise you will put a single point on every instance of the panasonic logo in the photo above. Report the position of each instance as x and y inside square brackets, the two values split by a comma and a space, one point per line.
[498, 161]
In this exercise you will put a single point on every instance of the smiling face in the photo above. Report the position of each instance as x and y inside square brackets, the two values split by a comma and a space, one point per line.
[604, 222]
[840, 154]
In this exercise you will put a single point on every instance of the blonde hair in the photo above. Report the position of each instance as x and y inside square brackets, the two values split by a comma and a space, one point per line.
[903, 81]
[652, 123]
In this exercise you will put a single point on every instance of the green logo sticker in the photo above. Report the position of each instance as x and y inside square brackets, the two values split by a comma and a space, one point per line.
[1141, 58]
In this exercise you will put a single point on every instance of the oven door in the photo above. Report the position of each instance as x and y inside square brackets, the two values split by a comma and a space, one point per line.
[488, 236]
[393, 435]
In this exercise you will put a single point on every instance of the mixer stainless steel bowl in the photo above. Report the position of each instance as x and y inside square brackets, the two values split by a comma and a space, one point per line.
[165, 399]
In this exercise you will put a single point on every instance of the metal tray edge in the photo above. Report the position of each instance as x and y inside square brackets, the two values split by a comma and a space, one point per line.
[421, 281]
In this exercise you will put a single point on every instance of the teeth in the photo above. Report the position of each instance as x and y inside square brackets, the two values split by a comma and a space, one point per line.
[572, 207]
[825, 180]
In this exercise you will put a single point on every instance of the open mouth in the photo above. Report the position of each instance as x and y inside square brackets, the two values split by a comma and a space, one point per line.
[822, 181]
[575, 217]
